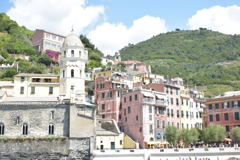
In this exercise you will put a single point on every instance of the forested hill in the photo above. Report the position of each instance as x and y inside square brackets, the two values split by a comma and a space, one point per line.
[201, 57]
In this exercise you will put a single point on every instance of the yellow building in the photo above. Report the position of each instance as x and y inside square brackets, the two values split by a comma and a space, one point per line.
[101, 73]
[36, 85]
[185, 108]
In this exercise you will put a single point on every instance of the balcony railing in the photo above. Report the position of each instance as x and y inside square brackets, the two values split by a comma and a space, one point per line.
[161, 103]
[147, 100]
[185, 95]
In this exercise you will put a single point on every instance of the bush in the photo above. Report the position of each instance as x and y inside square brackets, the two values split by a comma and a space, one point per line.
[9, 73]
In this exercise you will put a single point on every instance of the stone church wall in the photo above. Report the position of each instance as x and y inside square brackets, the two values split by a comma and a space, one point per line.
[59, 148]
[37, 117]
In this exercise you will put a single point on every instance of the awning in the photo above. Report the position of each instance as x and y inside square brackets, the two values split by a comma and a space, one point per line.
[148, 94]
[153, 142]
[161, 96]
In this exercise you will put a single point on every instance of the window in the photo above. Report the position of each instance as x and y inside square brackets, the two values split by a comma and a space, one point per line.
[140, 129]
[72, 72]
[136, 97]
[177, 125]
[103, 116]
[64, 54]
[25, 129]
[52, 114]
[177, 103]
[54, 37]
[168, 113]
[158, 123]
[47, 44]
[134, 66]
[163, 124]
[60, 39]
[182, 102]
[161, 111]
[102, 86]
[210, 106]
[171, 90]
[63, 74]
[125, 119]
[217, 117]
[32, 90]
[200, 115]
[120, 116]
[187, 102]
[103, 95]
[210, 118]
[167, 89]
[125, 99]
[120, 106]
[54, 45]
[172, 112]
[227, 129]
[182, 125]
[182, 114]
[172, 101]
[103, 106]
[150, 117]
[236, 115]
[150, 109]
[130, 98]
[216, 106]
[120, 142]
[109, 94]
[129, 109]
[226, 116]
[125, 112]
[150, 128]
[196, 114]
[1, 129]
[22, 79]
[178, 115]
[187, 113]
[51, 129]
[72, 53]
[47, 35]
[21, 90]
[50, 90]
[17, 120]
[137, 118]
[176, 91]
[119, 94]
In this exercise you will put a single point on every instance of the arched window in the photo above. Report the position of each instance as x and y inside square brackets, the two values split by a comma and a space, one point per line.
[1, 129]
[52, 114]
[72, 53]
[80, 53]
[64, 54]
[25, 129]
[151, 139]
[72, 72]
[51, 129]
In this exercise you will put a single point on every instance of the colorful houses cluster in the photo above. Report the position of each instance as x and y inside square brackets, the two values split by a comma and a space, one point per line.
[143, 104]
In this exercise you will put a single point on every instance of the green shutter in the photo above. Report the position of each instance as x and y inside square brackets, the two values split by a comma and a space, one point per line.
[238, 103]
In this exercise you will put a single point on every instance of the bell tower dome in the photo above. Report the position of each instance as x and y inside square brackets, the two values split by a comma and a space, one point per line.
[117, 57]
[72, 68]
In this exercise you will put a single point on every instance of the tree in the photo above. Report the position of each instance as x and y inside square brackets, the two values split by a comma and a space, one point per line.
[121, 66]
[214, 133]
[236, 133]
[9, 73]
[109, 64]
[171, 133]
[44, 59]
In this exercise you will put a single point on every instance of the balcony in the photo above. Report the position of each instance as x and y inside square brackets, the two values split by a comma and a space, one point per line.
[148, 101]
[184, 95]
[161, 103]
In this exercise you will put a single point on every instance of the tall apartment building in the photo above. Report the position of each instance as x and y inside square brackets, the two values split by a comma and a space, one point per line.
[224, 110]
[44, 40]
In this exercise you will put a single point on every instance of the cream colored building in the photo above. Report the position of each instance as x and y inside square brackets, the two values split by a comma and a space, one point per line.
[185, 108]
[36, 85]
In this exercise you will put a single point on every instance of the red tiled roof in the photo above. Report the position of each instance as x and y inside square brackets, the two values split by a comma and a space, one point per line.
[128, 62]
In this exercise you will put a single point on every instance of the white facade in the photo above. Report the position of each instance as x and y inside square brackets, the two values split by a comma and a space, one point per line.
[105, 60]
[72, 68]
[36, 85]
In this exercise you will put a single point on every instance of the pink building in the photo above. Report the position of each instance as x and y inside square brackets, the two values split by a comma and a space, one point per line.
[136, 66]
[44, 40]
[142, 110]
[108, 92]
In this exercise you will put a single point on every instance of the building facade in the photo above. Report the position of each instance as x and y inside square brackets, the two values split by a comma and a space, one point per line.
[44, 40]
[224, 111]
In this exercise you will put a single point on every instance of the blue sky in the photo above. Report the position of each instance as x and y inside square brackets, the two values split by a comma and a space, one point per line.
[112, 24]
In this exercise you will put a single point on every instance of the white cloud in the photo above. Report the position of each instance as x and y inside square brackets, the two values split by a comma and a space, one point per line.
[111, 37]
[217, 18]
[55, 15]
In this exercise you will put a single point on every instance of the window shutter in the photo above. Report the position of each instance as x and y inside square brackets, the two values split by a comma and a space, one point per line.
[222, 105]
[232, 103]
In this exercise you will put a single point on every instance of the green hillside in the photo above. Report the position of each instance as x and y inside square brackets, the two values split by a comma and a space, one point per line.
[201, 57]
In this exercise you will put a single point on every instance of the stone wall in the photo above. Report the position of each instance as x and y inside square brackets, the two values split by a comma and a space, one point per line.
[57, 148]
[37, 117]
